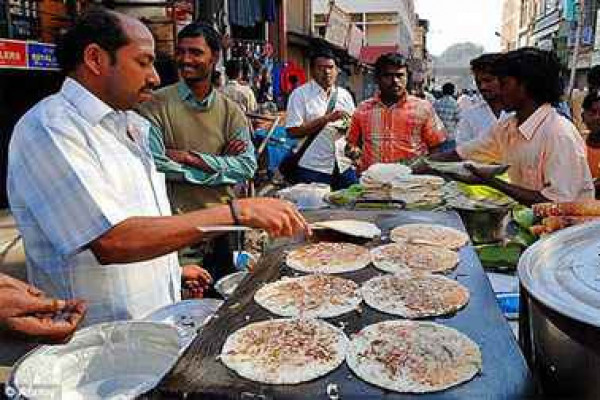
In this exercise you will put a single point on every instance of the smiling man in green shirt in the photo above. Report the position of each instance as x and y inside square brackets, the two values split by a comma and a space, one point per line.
[200, 138]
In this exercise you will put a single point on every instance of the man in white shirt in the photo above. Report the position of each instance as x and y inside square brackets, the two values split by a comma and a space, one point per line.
[84, 191]
[311, 109]
[477, 120]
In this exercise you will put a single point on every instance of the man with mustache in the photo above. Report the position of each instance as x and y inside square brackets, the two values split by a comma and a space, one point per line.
[200, 137]
[393, 126]
[83, 188]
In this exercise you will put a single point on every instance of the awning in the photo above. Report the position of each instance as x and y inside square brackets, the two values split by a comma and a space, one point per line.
[370, 54]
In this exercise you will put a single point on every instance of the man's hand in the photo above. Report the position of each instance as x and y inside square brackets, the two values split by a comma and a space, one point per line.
[337, 115]
[7, 281]
[49, 320]
[194, 280]
[179, 156]
[277, 217]
[235, 147]
[187, 158]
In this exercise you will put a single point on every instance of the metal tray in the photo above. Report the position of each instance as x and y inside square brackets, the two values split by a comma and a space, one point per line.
[106, 361]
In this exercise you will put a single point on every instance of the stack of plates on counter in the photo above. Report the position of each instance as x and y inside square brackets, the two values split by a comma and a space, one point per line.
[395, 182]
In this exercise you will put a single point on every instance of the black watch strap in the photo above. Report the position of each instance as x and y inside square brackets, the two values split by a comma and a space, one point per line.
[235, 211]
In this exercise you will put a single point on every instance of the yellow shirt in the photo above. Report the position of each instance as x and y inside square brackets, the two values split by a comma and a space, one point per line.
[545, 154]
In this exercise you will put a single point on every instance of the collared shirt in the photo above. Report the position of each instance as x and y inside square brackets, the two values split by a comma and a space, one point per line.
[188, 97]
[476, 122]
[307, 103]
[241, 94]
[402, 131]
[545, 154]
[181, 121]
[447, 109]
[76, 169]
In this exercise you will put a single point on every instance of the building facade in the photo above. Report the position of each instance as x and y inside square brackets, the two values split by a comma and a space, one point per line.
[422, 61]
[552, 25]
[384, 22]
[510, 25]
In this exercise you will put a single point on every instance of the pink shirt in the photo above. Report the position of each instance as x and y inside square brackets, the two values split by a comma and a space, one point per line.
[545, 154]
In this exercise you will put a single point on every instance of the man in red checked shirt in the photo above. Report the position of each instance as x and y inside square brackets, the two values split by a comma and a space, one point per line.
[393, 126]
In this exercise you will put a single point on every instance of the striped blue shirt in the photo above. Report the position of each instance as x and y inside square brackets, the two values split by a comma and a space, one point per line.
[76, 169]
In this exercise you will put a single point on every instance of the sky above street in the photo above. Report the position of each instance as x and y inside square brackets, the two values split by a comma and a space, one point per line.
[459, 21]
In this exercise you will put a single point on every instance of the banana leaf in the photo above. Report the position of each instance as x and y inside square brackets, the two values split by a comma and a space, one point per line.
[523, 216]
[499, 256]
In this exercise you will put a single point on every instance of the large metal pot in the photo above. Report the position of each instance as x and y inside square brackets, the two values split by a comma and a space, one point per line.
[560, 312]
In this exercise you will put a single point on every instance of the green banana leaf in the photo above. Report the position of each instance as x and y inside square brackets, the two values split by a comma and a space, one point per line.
[498, 256]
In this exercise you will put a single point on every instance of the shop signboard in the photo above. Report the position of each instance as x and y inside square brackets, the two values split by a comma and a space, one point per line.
[41, 56]
[13, 54]
[338, 26]
[355, 41]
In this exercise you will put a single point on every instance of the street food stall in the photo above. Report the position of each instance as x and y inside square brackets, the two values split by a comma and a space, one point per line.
[436, 313]
[201, 372]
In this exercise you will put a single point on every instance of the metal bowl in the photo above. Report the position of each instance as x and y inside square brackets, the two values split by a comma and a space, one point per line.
[485, 225]
[227, 285]
[105, 361]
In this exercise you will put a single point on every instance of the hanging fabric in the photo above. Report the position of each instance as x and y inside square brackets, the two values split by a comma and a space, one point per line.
[270, 10]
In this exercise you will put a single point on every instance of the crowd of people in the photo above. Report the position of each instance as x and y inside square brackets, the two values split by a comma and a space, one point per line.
[520, 120]
[109, 178]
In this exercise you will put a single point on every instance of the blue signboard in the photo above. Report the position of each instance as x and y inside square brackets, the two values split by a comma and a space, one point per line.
[41, 56]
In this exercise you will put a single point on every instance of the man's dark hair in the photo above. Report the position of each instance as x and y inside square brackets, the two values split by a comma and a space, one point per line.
[448, 89]
[538, 70]
[589, 100]
[485, 62]
[98, 25]
[389, 60]
[233, 68]
[321, 52]
[200, 29]
[593, 77]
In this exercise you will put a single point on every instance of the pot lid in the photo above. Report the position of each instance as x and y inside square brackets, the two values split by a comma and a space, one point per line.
[562, 272]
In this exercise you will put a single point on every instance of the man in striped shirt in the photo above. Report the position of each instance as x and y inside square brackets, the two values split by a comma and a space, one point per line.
[393, 126]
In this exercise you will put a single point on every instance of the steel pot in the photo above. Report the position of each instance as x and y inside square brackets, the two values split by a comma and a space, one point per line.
[484, 225]
[560, 312]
